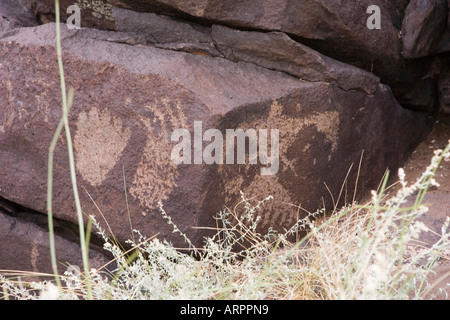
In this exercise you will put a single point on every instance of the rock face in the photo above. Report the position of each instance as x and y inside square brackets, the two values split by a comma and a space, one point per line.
[339, 25]
[281, 53]
[342, 23]
[25, 246]
[188, 103]
[423, 26]
[130, 99]
[444, 45]
[444, 89]
[15, 16]
[337, 29]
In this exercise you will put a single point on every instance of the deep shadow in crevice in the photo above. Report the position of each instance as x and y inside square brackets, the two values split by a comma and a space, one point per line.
[62, 228]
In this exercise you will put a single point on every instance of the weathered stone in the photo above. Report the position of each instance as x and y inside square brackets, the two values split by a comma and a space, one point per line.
[444, 89]
[44, 11]
[422, 28]
[340, 25]
[334, 28]
[165, 32]
[276, 51]
[94, 13]
[130, 99]
[410, 80]
[25, 247]
[337, 29]
[13, 15]
[444, 45]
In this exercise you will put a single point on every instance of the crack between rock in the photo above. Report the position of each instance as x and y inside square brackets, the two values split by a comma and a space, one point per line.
[135, 40]
[286, 72]
[62, 228]
[182, 17]
[222, 55]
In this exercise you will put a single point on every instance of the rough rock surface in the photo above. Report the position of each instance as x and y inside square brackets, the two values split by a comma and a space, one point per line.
[142, 69]
[444, 45]
[129, 100]
[334, 28]
[342, 23]
[14, 16]
[423, 26]
[337, 25]
[444, 88]
[281, 53]
[25, 247]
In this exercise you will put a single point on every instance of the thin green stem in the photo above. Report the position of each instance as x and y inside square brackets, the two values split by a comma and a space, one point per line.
[50, 195]
[70, 152]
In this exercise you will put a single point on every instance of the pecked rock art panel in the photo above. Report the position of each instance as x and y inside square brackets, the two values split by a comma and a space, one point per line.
[128, 102]
[99, 141]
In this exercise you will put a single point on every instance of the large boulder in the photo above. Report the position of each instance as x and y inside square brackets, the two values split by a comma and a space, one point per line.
[133, 103]
[25, 247]
[337, 29]
[425, 34]
[277, 51]
[444, 45]
[423, 26]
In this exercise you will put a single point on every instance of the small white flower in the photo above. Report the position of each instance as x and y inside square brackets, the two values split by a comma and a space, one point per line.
[50, 293]
[402, 176]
